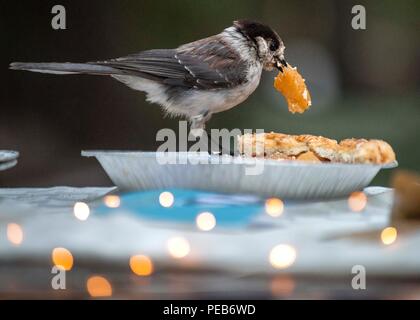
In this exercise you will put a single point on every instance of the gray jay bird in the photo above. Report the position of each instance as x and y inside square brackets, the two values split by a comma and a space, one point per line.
[196, 79]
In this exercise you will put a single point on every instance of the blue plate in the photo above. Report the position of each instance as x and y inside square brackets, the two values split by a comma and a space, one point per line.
[229, 210]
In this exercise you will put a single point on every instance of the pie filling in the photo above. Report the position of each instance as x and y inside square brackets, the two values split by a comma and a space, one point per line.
[292, 86]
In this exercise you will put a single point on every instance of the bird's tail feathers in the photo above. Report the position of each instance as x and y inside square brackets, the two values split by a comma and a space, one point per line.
[64, 68]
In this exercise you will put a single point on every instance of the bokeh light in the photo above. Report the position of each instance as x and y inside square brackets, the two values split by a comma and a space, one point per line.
[274, 207]
[166, 199]
[112, 201]
[141, 265]
[178, 247]
[61, 257]
[282, 256]
[98, 286]
[205, 221]
[81, 211]
[389, 235]
[357, 201]
[282, 285]
[15, 234]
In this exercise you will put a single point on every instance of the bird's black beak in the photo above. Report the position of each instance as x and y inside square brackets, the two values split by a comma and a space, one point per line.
[280, 63]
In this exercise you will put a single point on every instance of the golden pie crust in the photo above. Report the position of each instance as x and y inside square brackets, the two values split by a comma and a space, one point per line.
[311, 148]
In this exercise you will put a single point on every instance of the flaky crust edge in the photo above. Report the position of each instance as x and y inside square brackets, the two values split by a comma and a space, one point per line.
[283, 146]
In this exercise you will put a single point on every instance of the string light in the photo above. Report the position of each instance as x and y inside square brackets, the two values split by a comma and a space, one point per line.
[357, 201]
[141, 265]
[205, 221]
[62, 258]
[282, 256]
[389, 235]
[15, 234]
[81, 211]
[274, 207]
[112, 201]
[178, 247]
[98, 286]
[166, 199]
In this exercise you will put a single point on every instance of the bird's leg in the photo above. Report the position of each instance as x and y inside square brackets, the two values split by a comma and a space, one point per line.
[198, 125]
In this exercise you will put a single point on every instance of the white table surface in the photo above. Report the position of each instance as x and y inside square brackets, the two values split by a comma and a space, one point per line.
[313, 229]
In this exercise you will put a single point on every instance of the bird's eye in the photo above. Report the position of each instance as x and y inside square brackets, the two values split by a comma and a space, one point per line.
[273, 46]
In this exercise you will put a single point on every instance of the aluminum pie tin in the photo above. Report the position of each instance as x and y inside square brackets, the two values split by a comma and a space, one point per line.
[7, 165]
[8, 155]
[137, 170]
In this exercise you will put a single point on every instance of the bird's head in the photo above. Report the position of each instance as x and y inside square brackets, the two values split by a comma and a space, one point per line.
[268, 44]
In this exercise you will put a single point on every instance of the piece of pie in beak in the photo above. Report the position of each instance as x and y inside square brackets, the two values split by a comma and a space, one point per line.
[292, 86]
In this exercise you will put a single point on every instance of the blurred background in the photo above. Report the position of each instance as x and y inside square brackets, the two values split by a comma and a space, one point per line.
[364, 83]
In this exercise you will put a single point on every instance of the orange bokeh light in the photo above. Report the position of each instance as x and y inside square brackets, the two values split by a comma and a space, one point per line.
[357, 201]
[61, 257]
[98, 286]
[282, 285]
[274, 207]
[112, 201]
[389, 235]
[15, 234]
[141, 265]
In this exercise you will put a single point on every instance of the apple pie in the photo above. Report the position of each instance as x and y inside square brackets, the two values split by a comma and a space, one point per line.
[315, 149]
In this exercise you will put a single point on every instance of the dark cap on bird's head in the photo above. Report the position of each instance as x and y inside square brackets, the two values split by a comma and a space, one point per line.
[269, 44]
[254, 29]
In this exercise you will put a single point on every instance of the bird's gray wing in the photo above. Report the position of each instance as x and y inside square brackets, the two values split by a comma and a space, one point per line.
[205, 64]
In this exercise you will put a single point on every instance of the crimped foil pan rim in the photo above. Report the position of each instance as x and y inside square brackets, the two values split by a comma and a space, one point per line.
[8, 155]
[241, 160]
